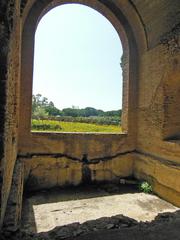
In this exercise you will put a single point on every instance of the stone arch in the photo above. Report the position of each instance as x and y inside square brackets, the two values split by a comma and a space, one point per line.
[133, 43]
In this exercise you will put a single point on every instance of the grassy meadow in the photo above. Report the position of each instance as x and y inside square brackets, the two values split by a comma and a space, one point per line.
[62, 126]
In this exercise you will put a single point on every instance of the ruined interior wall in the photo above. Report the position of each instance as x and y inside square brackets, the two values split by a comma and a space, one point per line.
[4, 40]
[94, 153]
[157, 112]
[9, 65]
[72, 159]
[158, 144]
[99, 158]
[60, 171]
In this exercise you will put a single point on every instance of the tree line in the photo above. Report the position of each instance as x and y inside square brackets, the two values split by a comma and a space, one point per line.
[42, 107]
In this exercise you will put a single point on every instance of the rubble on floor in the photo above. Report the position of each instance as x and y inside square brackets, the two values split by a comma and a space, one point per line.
[104, 227]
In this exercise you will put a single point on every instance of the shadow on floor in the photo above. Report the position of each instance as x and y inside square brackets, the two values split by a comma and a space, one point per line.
[80, 192]
[166, 226]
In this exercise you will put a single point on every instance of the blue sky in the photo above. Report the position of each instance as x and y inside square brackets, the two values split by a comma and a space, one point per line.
[77, 59]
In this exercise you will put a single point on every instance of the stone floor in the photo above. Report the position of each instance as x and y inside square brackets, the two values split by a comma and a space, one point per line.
[46, 210]
[107, 212]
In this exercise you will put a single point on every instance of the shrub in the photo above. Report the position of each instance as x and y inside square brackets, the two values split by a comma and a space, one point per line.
[63, 126]
[145, 187]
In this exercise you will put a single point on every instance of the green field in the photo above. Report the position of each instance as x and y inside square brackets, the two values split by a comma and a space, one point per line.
[57, 126]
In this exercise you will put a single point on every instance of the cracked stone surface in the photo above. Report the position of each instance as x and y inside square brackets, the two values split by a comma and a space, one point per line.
[48, 209]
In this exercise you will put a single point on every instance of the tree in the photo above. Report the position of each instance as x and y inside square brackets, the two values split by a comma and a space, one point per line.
[71, 112]
[39, 113]
[41, 107]
[89, 111]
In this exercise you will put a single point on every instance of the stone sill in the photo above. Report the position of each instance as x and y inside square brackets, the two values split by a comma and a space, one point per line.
[38, 133]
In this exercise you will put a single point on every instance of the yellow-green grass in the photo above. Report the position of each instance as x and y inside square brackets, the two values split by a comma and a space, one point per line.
[56, 126]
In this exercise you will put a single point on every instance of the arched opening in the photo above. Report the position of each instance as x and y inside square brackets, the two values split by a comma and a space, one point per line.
[77, 80]
[37, 142]
[67, 158]
[74, 146]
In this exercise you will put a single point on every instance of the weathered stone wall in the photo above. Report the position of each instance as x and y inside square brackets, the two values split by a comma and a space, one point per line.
[12, 220]
[42, 172]
[158, 17]
[9, 75]
[159, 102]
[65, 159]
[4, 41]
[161, 173]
